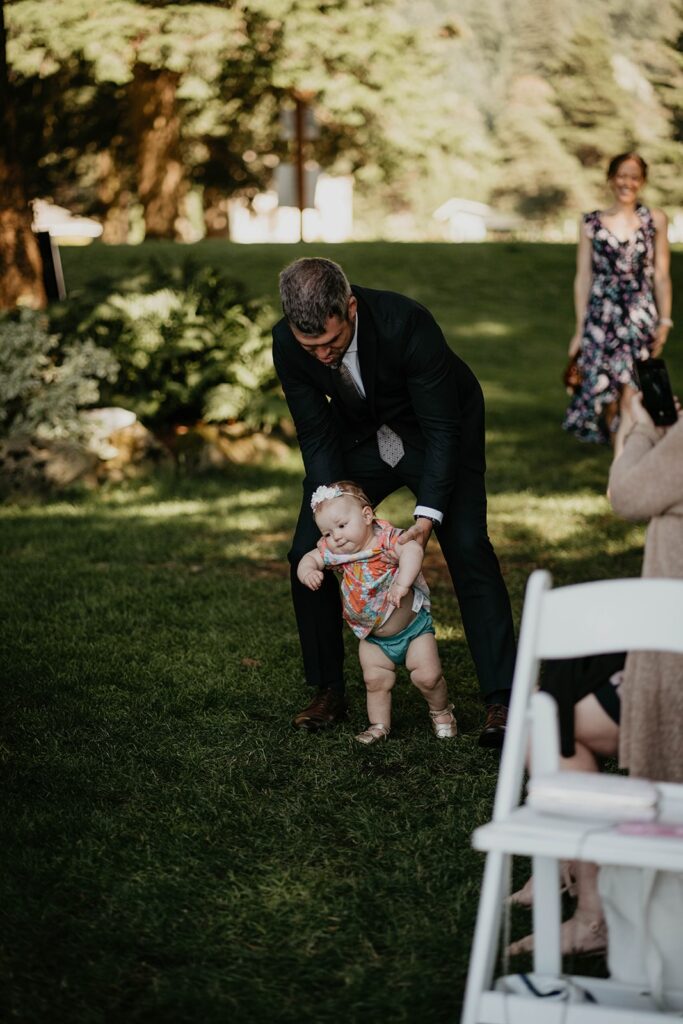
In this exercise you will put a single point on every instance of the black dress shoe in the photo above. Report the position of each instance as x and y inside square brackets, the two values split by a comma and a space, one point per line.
[327, 708]
[493, 733]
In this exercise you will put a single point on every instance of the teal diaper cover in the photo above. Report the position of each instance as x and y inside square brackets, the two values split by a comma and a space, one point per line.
[396, 646]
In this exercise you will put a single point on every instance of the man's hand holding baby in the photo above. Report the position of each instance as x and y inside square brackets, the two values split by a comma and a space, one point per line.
[420, 532]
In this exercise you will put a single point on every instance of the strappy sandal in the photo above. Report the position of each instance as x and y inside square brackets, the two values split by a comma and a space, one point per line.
[444, 730]
[373, 734]
[524, 897]
[579, 936]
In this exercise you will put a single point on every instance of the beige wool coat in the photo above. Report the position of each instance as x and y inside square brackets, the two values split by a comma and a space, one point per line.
[646, 482]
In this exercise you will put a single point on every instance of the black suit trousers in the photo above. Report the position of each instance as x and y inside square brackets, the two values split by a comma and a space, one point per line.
[472, 563]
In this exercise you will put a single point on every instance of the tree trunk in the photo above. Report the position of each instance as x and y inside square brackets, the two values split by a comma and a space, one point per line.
[21, 268]
[216, 220]
[161, 176]
[113, 200]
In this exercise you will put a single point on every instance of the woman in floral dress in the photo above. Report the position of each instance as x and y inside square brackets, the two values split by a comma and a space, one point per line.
[622, 295]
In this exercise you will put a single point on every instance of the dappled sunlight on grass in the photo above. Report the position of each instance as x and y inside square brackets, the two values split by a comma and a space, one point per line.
[169, 510]
[484, 329]
[575, 532]
[529, 507]
[499, 394]
[55, 510]
[245, 510]
[448, 631]
[245, 507]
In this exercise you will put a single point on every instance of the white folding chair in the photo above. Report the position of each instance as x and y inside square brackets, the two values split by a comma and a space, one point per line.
[588, 618]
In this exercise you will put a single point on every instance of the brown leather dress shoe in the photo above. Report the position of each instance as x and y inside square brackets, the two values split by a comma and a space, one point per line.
[327, 708]
[493, 733]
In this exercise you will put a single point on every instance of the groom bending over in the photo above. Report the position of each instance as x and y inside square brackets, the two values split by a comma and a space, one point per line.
[378, 397]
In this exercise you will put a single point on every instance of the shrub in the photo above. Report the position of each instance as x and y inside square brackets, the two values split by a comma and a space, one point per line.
[190, 346]
[44, 385]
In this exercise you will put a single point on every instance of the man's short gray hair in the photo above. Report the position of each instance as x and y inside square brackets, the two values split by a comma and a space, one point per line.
[312, 290]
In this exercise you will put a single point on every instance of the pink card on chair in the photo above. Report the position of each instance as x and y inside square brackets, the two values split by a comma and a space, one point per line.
[650, 828]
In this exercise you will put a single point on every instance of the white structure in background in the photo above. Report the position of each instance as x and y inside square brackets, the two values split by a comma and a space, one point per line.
[329, 220]
[63, 226]
[675, 231]
[465, 220]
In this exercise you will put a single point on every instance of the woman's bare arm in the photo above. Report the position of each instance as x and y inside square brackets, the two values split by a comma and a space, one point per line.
[662, 281]
[582, 286]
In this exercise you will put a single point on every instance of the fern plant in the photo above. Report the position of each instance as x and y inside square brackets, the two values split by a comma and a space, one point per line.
[189, 343]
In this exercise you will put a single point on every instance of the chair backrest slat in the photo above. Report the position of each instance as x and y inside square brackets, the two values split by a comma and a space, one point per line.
[611, 615]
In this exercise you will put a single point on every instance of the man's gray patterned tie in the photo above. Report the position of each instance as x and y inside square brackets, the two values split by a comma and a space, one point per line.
[390, 445]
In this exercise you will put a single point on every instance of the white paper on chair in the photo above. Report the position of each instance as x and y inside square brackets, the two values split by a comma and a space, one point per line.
[542, 986]
[588, 795]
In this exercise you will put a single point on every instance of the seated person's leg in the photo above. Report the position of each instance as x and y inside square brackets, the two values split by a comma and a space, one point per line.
[595, 734]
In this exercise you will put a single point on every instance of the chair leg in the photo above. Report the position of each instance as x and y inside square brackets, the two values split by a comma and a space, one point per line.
[486, 934]
[547, 916]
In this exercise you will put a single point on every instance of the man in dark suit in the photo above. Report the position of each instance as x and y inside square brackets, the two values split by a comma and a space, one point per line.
[378, 397]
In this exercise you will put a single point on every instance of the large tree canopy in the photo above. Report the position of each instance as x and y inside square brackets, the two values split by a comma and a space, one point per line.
[148, 99]
[127, 106]
[118, 84]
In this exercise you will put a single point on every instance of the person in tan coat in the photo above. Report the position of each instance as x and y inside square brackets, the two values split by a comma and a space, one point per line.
[636, 714]
[646, 482]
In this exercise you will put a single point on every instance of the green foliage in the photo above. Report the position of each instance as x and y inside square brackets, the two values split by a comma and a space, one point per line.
[539, 176]
[417, 101]
[562, 85]
[236, 66]
[189, 343]
[44, 385]
[597, 113]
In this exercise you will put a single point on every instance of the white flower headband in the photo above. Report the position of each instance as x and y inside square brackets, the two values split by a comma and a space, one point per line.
[326, 493]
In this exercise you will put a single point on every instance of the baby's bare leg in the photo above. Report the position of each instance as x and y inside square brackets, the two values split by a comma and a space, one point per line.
[379, 674]
[424, 665]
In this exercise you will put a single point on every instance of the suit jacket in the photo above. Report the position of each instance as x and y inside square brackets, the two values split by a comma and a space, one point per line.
[414, 383]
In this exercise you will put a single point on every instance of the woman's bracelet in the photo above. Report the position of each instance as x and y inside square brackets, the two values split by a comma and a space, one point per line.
[665, 321]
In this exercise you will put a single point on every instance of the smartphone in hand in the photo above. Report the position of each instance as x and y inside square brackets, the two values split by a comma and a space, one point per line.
[658, 397]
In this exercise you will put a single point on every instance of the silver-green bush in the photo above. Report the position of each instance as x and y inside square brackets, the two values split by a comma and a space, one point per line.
[44, 385]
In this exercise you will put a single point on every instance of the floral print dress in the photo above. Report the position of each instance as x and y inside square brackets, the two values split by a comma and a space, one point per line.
[619, 326]
[366, 577]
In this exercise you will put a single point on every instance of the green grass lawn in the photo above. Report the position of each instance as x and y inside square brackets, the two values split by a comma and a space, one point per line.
[172, 849]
